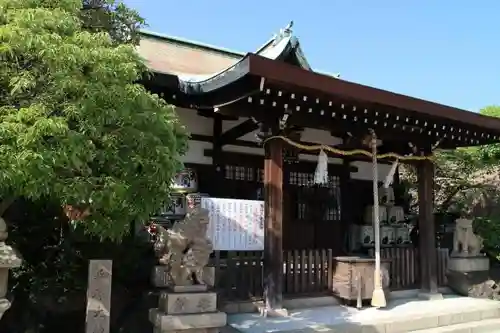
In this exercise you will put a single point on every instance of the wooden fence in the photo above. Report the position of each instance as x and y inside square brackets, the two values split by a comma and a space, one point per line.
[307, 271]
[405, 266]
[239, 275]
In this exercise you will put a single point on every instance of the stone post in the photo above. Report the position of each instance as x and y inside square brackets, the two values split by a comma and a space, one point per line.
[9, 258]
[99, 296]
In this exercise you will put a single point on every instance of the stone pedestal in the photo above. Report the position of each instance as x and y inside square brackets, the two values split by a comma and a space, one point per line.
[469, 276]
[469, 264]
[189, 309]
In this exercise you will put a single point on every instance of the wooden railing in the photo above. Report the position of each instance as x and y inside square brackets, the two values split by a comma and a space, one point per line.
[443, 256]
[307, 271]
[405, 266]
[239, 275]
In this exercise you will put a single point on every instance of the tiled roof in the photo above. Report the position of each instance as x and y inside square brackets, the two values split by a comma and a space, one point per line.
[195, 61]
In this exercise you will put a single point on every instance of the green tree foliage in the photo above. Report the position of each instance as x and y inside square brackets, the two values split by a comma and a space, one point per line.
[492, 111]
[490, 154]
[75, 127]
[467, 183]
[49, 290]
[454, 173]
[488, 221]
[115, 18]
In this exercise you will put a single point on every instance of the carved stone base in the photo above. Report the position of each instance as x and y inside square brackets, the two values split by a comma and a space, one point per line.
[194, 322]
[181, 303]
[187, 312]
[469, 264]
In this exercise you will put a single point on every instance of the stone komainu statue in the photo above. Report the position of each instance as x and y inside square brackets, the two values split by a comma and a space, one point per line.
[465, 241]
[185, 248]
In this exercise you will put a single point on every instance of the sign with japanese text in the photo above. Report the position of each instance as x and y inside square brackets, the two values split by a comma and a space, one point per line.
[235, 225]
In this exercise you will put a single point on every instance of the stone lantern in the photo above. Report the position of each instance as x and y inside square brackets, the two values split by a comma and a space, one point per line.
[9, 258]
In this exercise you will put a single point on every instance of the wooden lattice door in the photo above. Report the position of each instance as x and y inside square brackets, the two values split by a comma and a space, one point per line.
[304, 228]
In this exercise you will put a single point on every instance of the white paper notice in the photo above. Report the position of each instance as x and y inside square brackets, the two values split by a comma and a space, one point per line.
[235, 225]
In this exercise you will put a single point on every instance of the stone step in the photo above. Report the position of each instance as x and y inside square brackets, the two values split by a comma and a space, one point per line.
[430, 322]
[483, 326]
[196, 321]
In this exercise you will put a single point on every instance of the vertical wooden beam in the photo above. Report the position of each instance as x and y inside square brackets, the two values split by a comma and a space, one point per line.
[287, 208]
[345, 202]
[427, 233]
[218, 172]
[217, 153]
[273, 224]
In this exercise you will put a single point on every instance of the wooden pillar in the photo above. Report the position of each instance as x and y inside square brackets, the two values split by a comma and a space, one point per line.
[345, 203]
[273, 224]
[427, 233]
[218, 168]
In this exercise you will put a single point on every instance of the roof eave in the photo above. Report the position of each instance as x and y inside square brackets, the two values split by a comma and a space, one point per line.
[294, 76]
[224, 78]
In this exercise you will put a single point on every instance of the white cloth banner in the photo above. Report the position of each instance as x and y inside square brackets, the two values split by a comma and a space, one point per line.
[235, 225]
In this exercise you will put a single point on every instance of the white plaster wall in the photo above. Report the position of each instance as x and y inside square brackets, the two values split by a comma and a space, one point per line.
[196, 124]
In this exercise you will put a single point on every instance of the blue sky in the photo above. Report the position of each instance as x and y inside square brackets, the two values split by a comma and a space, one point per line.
[445, 51]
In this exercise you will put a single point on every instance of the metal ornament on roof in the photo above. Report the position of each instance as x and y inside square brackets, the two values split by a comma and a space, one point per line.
[285, 32]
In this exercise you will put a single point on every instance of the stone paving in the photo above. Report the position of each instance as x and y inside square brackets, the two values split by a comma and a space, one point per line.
[402, 315]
